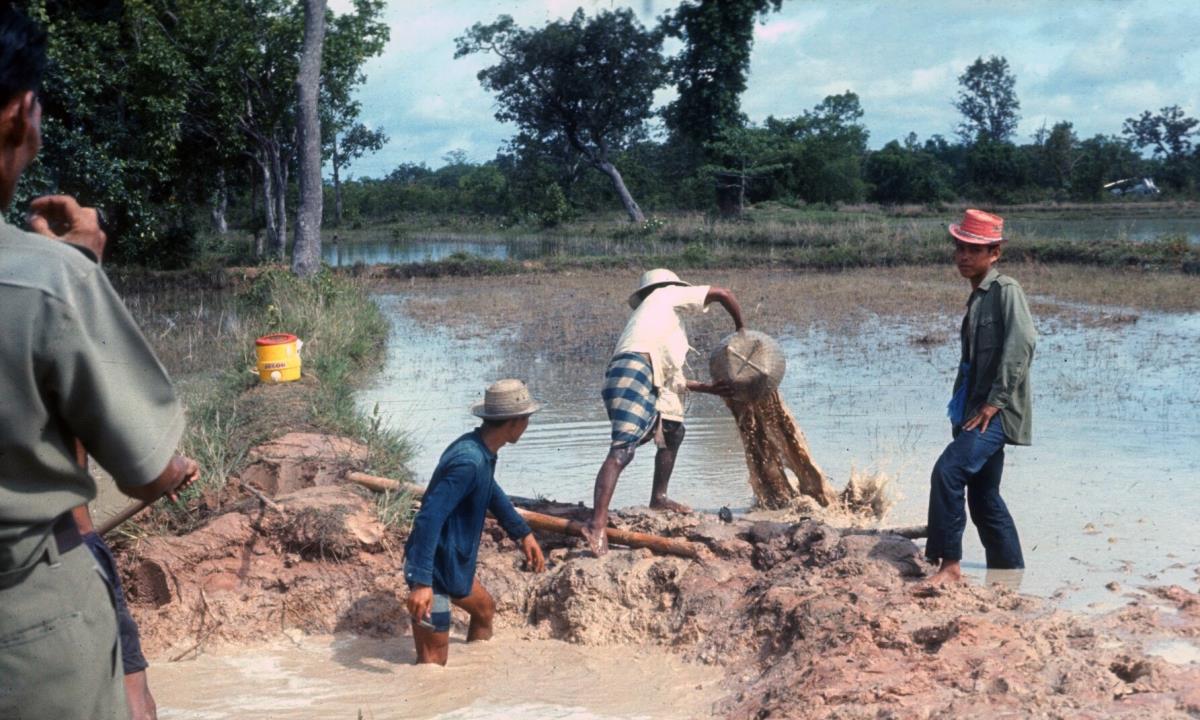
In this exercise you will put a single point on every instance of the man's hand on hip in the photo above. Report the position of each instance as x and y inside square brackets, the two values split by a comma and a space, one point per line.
[982, 418]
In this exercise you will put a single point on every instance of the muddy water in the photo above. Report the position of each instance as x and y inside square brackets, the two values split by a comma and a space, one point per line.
[346, 677]
[1107, 493]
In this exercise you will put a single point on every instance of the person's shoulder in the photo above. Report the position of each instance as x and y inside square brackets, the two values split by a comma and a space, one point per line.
[1008, 285]
[38, 262]
[464, 449]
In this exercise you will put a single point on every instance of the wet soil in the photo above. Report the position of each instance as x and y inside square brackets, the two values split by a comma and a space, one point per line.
[802, 619]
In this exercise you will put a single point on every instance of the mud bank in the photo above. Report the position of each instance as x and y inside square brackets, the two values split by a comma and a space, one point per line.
[803, 620]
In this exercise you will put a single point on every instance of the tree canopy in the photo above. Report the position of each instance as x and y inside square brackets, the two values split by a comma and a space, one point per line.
[710, 71]
[988, 101]
[586, 83]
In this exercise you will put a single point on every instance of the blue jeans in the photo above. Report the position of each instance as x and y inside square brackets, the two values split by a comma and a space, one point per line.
[972, 464]
[131, 642]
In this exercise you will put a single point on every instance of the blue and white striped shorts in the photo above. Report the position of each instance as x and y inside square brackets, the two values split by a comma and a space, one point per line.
[630, 398]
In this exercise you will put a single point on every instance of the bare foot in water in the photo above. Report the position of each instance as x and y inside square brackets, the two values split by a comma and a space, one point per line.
[669, 505]
[596, 540]
[948, 574]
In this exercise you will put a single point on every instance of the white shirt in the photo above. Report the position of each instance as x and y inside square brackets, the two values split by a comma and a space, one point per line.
[656, 329]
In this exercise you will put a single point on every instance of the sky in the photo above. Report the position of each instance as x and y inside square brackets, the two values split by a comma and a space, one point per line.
[1091, 62]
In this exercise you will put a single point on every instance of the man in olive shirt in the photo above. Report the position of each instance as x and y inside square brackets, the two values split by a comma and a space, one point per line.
[73, 364]
[990, 408]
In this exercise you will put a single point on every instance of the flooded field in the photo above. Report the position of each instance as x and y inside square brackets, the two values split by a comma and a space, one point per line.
[346, 677]
[1104, 495]
[385, 248]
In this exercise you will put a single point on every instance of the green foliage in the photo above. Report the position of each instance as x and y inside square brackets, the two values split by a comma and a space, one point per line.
[1102, 159]
[988, 101]
[998, 171]
[584, 86]
[907, 174]
[1169, 134]
[553, 210]
[710, 71]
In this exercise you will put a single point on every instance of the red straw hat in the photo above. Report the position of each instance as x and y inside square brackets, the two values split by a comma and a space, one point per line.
[979, 228]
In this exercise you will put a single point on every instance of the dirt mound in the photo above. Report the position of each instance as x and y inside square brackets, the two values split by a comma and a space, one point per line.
[810, 622]
[314, 564]
[299, 460]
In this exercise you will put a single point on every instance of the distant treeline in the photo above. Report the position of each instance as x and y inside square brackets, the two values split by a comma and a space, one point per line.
[179, 119]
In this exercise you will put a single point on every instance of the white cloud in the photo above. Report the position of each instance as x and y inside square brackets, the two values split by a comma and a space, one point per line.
[1090, 62]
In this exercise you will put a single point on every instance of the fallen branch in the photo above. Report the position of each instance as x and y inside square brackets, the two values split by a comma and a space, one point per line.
[912, 532]
[262, 498]
[549, 523]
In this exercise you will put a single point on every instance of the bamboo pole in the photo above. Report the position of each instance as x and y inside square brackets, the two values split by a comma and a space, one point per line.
[128, 512]
[549, 523]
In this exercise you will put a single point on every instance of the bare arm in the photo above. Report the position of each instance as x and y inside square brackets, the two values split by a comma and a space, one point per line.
[180, 472]
[729, 302]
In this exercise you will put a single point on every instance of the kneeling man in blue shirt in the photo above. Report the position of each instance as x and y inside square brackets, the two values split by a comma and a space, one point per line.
[439, 557]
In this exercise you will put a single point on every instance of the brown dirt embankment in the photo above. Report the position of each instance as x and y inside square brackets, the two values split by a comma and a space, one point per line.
[807, 621]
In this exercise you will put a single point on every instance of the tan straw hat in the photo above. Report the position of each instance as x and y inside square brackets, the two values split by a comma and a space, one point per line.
[505, 399]
[652, 279]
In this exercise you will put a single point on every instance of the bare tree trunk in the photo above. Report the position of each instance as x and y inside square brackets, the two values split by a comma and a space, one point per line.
[279, 199]
[220, 204]
[269, 221]
[337, 185]
[306, 251]
[631, 206]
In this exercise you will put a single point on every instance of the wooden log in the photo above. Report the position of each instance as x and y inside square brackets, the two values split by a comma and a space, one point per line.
[550, 523]
[911, 532]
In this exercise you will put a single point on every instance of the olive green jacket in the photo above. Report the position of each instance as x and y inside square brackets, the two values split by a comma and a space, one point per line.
[998, 339]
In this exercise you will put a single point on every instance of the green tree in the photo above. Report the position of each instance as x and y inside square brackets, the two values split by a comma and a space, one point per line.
[585, 83]
[351, 39]
[1102, 159]
[345, 146]
[1059, 153]
[1169, 134]
[824, 150]
[710, 71]
[741, 155]
[906, 174]
[988, 101]
[112, 103]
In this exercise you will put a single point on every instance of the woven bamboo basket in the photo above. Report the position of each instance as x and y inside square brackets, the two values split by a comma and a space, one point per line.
[751, 361]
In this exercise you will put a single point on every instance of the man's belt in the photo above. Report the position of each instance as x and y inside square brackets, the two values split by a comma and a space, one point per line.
[64, 533]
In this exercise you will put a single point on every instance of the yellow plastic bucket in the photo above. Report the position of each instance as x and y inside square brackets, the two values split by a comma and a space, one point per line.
[278, 357]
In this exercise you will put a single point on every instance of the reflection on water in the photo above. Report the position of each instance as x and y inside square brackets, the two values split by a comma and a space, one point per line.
[431, 248]
[1116, 433]
[434, 247]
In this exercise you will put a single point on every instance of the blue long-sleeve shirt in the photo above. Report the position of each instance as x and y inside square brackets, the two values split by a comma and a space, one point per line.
[444, 543]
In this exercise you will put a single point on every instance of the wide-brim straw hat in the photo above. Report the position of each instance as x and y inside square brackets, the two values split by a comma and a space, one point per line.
[979, 228]
[652, 279]
[506, 399]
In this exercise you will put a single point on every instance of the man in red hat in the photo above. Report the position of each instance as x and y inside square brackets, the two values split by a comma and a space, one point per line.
[990, 408]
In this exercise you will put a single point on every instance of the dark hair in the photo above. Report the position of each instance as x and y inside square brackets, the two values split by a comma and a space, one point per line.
[22, 53]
